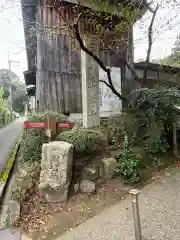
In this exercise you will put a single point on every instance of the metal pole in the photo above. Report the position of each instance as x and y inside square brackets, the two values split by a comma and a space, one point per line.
[10, 87]
[136, 216]
[25, 109]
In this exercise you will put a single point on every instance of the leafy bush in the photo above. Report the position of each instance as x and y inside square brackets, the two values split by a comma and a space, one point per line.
[34, 138]
[156, 144]
[125, 125]
[84, 140]
[30, 150]
[155, 160]
[158, 105]
[129, 166]
[44, 116]
[147, 122]
[155, 139]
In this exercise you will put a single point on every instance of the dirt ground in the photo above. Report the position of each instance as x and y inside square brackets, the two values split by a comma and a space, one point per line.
[48, 221]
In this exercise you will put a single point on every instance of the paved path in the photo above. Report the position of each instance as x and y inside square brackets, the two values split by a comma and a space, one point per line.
[9, 234]
[8, 137]
[160, 215]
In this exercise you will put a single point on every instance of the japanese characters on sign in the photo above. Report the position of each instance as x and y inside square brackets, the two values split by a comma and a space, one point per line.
[67, 125]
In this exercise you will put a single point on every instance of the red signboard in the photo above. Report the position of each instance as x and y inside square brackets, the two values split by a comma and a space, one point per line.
[45, 125]
[65, 125]
[34, 125]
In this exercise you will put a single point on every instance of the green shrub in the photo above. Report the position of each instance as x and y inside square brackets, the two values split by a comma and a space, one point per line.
[128, 124]
[156, 145]
[155, 140]
[156, 161]
[31, 148]
[129, 166]
[84, 140]
[158, 106]
[38, 117]
[33, 139]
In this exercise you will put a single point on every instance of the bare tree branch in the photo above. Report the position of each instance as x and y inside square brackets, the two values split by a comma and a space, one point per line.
[103, 81]
[75, 27]
[131, 68]
[150, 42]
[96, 58]
[90, 53]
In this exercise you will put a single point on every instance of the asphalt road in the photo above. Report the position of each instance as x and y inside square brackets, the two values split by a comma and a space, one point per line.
[8, 138]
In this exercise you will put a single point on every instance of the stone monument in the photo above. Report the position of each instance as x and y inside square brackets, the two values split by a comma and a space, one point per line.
[56, 171]
[90, 84]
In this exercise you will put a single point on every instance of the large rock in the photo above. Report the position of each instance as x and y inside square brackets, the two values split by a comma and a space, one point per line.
[99, 169]
[10, 214]
[56, 173]
[87, 186]
[109, 167]
[90, 172]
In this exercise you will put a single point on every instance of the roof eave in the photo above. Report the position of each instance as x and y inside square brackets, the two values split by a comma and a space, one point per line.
[157, 67]
[113, 8]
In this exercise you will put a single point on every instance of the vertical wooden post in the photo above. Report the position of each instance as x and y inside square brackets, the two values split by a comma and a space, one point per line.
[37, 106]
[51, 128]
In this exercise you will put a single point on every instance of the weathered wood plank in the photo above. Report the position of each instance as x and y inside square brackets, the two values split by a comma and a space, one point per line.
[59, 62]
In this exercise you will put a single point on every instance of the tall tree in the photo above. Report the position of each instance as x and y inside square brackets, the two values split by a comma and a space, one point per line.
[175, 55]
[19, 96]
[174, 58]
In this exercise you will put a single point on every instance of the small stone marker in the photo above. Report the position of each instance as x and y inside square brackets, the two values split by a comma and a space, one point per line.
[56, 173]
[109, 167]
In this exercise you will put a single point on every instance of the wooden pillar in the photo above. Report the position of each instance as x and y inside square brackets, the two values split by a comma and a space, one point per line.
[51, 128]
[90, 84]
[58, 68]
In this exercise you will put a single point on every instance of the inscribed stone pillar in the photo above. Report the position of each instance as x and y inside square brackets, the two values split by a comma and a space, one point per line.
[56, 171]
[90, 84]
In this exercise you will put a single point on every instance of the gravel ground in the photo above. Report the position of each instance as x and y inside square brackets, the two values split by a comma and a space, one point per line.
[159, 209]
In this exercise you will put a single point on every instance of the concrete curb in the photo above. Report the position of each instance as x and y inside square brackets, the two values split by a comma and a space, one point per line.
[7, 172]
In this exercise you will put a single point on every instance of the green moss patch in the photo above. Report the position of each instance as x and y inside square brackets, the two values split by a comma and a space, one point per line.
[5, 174]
